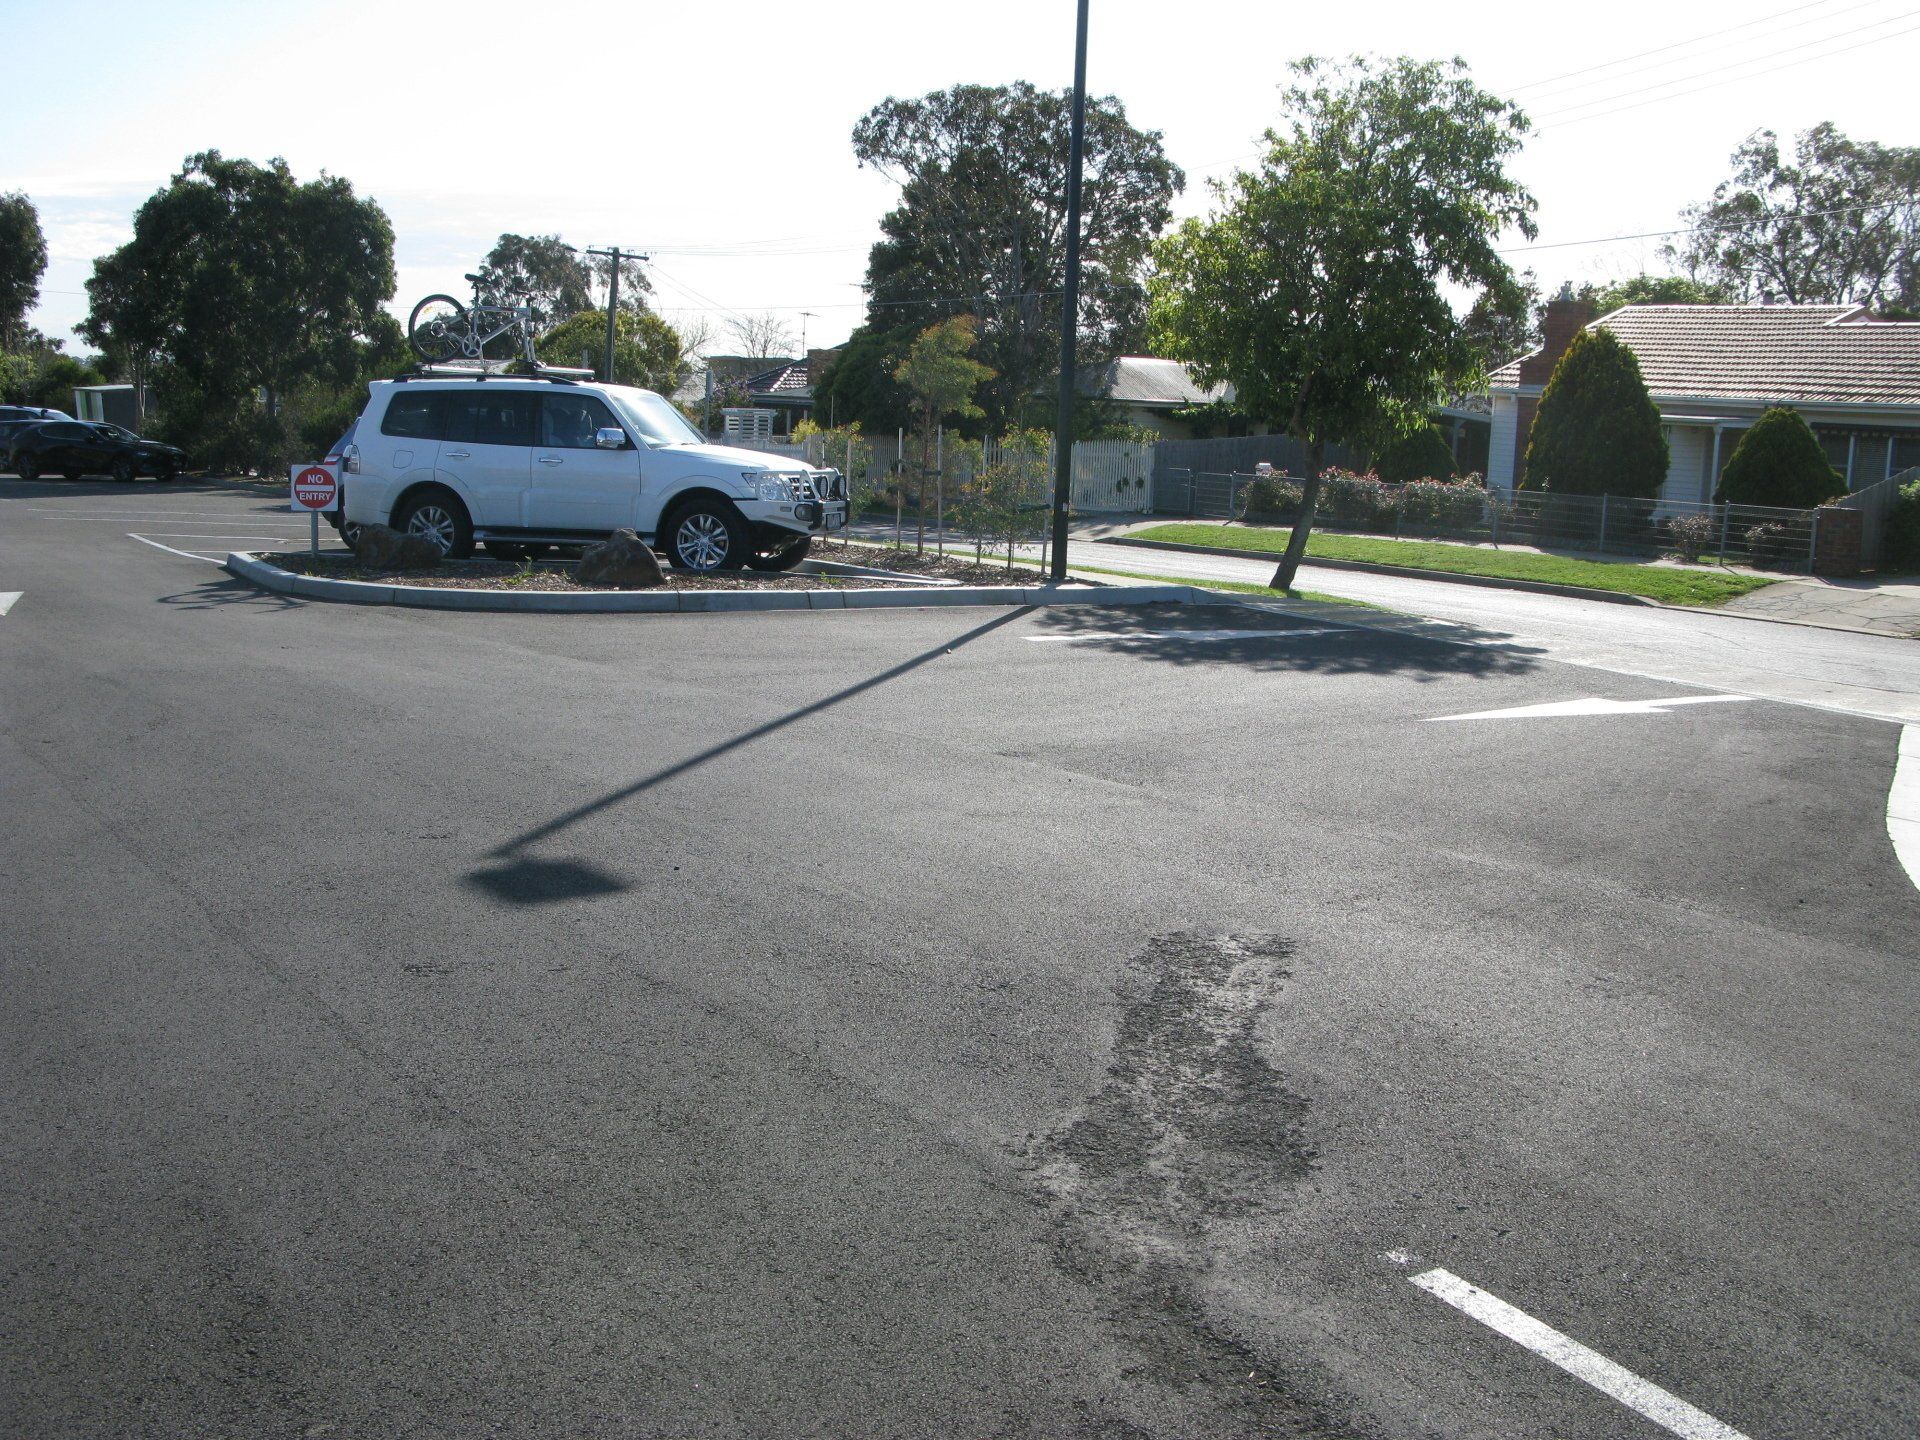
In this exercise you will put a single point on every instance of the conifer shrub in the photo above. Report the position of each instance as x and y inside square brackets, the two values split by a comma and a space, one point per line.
[1597, 431]
[1779, 462]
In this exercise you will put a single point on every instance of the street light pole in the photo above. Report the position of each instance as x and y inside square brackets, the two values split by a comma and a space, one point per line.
[1069, 309]
[616, 255]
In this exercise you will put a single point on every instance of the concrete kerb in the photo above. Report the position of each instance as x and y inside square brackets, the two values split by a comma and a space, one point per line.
[271, 577]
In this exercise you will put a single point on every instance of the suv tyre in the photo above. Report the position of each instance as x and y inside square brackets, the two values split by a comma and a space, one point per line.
[26, 467]
[705, 536]
[785, 559]
[123, 472]
[438, 515]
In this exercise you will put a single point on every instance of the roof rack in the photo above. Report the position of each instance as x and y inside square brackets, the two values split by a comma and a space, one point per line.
[552, 374]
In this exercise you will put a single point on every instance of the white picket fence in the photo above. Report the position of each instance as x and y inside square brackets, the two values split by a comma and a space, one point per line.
[1112, 475]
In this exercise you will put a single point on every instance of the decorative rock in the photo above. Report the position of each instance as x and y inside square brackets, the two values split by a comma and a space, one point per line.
[377, 547]
[623, 561]
[417, 550]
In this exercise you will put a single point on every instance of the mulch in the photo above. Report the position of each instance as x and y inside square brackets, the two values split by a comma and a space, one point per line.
[556, 575]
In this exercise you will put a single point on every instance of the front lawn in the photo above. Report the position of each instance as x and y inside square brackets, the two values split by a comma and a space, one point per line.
[1664, 583]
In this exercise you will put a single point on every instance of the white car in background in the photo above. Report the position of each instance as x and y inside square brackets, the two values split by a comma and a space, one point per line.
[521, 462]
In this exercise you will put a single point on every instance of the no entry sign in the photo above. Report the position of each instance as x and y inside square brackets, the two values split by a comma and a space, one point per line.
[314, 488]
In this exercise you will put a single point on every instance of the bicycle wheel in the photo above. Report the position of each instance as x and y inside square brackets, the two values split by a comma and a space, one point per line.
[438, 329]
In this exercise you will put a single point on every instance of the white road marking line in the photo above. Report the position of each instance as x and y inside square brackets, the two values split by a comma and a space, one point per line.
[7, 599]
[1201, 635]
[213, 535]
[229, 517]
[1629, 1389]
[1903, 800]
[1590, 706]
[183, 554]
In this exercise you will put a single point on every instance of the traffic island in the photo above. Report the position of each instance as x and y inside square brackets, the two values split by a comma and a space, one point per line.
[549, 587]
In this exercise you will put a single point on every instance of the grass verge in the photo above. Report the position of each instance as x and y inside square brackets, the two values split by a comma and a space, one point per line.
[1664, 583]
[1238, 587]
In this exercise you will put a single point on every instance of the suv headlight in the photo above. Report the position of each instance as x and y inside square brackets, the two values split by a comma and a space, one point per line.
[773, 488]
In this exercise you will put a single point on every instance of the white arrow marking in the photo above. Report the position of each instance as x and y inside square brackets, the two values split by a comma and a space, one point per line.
[1593, 706]
[1200, 635]
[7, 597]
[1903, 801]
[1664, 1409]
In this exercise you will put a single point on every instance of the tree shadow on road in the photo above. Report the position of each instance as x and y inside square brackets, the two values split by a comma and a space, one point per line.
[1191, 635]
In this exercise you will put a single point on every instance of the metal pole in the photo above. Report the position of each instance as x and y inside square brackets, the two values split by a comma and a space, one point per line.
[313, 517]
[1603, 524]
[940, 489]
[613, 309]
[1070, 306]
[706, 405]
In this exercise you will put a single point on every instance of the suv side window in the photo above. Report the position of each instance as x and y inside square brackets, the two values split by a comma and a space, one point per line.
[568, 422]
[413, 415]
[493, 418]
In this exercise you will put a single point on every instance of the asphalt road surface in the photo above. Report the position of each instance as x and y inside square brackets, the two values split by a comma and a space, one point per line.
[959, 1022]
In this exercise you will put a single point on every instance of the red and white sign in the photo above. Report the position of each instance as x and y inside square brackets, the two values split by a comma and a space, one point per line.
[314, 487]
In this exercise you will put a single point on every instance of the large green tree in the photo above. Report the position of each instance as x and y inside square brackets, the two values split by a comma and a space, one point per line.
[646, 350]
[544, 273]
[981, 225]
[1654, 290]
[240, 277]
[23, 260]
[1835, 221]
[1317, 289]
[1597, 431]
[859, 388]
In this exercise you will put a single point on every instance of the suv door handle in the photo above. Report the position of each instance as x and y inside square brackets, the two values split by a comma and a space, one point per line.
[551, 460]
[459, 454]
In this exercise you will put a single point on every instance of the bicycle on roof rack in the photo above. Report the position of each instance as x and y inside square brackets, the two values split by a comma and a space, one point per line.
[441, 329]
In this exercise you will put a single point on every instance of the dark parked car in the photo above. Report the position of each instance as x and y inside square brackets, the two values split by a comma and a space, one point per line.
[74, 448]
[31, 413]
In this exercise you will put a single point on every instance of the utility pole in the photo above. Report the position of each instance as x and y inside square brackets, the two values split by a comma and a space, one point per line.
[1069, 309]
[616, 255]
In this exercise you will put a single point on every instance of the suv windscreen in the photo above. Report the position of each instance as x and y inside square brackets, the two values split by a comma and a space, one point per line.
[654, 417]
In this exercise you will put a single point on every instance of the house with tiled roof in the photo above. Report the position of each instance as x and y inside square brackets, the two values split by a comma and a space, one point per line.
[1712, 369]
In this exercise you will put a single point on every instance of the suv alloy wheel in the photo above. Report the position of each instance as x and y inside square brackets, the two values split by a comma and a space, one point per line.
[439, 516]
[708, 535]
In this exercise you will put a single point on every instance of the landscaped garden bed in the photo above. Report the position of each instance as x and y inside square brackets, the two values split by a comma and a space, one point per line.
[482, 573]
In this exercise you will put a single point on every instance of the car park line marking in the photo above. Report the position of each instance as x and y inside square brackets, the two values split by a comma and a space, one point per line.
[7, 599]
[1903, 799]
[214, 535]
[1592, 705]
[1195, 635]
[183, 554]
[1660, 1406]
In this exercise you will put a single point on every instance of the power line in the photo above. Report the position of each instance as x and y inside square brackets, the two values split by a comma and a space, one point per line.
[1552, 123]
[1698, 229]
[1662, 49]
[1554, 117]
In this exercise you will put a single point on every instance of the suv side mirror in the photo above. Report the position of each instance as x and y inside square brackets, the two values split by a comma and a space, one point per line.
[610, 437]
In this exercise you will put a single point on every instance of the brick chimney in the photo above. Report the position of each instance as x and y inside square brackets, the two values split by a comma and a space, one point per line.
[1565, 318]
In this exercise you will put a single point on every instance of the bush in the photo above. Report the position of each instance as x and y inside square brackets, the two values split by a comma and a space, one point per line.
[1271, 497]
[1900, 544]
[1690, 535]
[1779, 462]
[1597, 431]
[1360, 501]
[1434, 506]
[1421, 455]
[1774, 546]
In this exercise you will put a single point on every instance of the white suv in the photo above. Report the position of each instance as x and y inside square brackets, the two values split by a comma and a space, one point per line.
[521, 462]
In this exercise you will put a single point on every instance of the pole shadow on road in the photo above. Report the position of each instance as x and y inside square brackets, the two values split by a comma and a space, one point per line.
[510, 850]
[1350, 650]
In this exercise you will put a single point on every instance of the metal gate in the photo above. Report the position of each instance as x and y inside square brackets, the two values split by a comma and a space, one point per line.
[1112, 475]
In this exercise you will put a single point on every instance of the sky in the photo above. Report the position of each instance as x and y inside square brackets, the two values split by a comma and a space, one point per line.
[716, 138]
